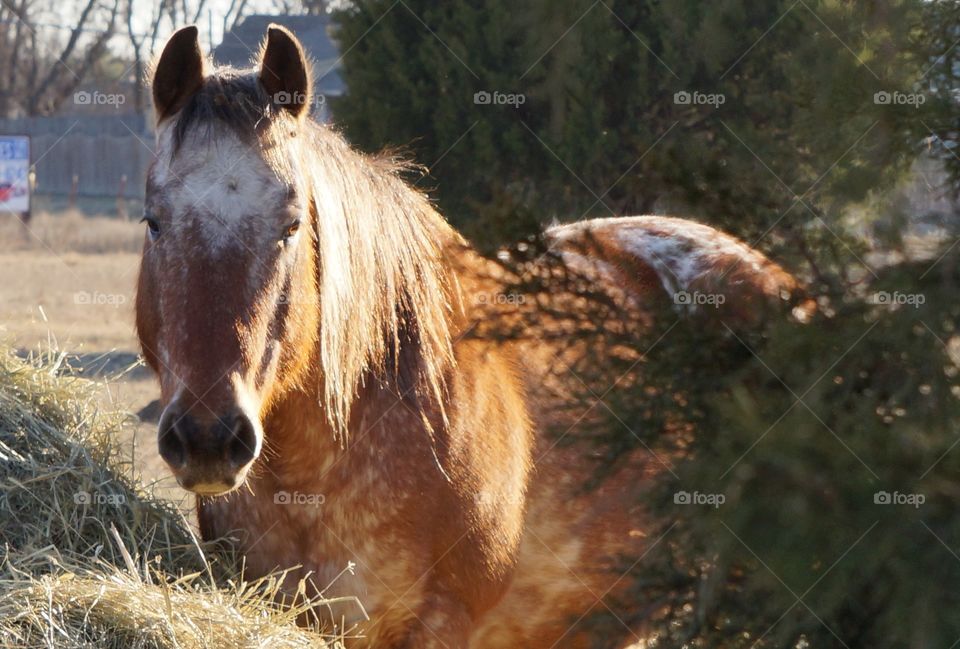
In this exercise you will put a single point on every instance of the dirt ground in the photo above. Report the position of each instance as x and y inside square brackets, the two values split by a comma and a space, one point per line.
[67, 285]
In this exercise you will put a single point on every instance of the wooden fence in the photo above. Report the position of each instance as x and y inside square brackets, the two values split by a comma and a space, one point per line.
[90, 156]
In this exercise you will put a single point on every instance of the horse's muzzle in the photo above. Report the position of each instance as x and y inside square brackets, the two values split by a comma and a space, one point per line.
[208, 456]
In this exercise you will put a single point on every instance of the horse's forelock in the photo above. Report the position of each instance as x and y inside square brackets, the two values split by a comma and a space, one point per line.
[231, 99]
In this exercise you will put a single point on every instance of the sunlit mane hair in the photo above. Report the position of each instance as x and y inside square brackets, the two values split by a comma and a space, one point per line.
[387, 294]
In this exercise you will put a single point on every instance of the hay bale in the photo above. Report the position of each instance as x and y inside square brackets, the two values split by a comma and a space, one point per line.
[87, 558]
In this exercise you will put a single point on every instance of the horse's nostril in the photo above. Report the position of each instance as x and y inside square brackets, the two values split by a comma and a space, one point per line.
[243, 444]
[171, 444]
[208, 456]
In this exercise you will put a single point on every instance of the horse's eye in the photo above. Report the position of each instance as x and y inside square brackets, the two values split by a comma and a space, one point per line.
[291, 229]
[152, 226]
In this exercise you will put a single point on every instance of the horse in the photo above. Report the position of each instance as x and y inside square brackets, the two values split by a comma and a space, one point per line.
[309, 314]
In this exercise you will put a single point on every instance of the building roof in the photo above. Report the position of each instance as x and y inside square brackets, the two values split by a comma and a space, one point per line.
[242, 42]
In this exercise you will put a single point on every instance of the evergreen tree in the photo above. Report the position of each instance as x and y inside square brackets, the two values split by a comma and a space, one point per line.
[833, 443]
[728, 111]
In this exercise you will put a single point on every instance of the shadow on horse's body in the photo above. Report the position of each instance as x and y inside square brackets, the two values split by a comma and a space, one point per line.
[311, 319]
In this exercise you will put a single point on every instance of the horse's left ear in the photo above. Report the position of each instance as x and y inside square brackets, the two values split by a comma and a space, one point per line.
[285, 71]
[179, 73]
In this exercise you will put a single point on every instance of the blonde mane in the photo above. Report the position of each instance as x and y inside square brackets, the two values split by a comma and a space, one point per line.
[387, 293]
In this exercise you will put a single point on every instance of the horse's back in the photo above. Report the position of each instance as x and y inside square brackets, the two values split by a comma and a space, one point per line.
[690, 266]
[571, 563]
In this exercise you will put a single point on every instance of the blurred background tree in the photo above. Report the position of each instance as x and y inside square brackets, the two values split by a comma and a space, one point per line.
[38, 74]
[824, 132]
[728, 111]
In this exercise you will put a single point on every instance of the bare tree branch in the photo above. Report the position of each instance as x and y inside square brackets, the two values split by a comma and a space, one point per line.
[199, 12]
[9, 87]
[55, 70]
[96, 50]
[155, 30]
[234, 14]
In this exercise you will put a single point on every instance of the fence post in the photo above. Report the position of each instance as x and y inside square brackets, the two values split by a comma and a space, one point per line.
[74, 186]
[122, 199]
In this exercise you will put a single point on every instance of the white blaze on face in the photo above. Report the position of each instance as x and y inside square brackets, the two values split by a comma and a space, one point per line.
[224, 184]
[223, 208]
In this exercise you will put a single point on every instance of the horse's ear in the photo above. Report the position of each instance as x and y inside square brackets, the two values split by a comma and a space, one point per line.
[179, 72]
[285, 71]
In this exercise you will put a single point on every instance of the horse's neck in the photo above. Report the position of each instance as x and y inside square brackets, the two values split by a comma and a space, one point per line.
[295, 429]
[303, 448]
[395, 413]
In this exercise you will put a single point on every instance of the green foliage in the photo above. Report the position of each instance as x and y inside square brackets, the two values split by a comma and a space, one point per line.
[807, 440]
[800, 427]
[935, 42]
[830, 448]
[600, 132]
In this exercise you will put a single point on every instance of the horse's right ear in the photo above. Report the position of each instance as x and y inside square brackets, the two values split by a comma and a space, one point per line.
[285, 71]
[179, 72]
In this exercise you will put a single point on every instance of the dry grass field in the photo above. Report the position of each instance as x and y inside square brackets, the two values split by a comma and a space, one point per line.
[67, 288]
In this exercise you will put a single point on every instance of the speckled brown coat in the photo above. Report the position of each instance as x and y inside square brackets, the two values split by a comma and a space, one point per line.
[309, 316]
